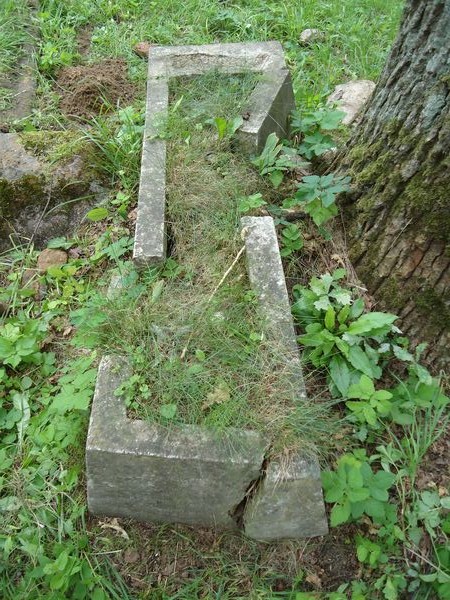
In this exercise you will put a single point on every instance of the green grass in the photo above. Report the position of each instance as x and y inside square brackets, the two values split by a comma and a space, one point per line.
[357, 34]
[14, 18]
[197, 346]
[50, 548]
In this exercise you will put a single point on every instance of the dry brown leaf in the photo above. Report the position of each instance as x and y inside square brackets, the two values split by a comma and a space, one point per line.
[219, 395]
[314, 580]
[114, 524]
[131, 555]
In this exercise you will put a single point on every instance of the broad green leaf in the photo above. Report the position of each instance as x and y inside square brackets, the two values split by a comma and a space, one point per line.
[97, 214]
[343, 314]
[340, 374]
[168, 411]
[60, 242]
[323, 303]
[362, 552]
[371, 322]
[6, 348]
[276, 177]
[330, 318]
[370, 415]
[402, 354]
[358, 495]
[20, 403]
[342, 297]
[359, 359]
[234, 125]
[357, 309]
[374, 508]
[354, 477]
[382, 395]
[221, 125]
[330, 119]
[340, 513]
[366, 386]
[157, 290]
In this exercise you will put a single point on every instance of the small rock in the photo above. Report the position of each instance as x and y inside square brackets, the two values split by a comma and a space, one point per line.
[15, 161]
[351, 97]
[51, 258]
[142, 49]
[308, 36]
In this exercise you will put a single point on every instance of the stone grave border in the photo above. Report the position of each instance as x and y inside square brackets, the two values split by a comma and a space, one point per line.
[268, 111]
[189, 474]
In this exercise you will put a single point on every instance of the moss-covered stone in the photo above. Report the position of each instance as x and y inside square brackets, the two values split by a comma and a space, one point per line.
[54, 146]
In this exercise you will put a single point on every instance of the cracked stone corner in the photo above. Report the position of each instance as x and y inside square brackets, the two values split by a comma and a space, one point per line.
[288, 502]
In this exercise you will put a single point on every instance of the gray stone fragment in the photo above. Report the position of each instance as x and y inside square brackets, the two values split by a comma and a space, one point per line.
[150, 236]
[40, 201]
[351, 97]
[15, 161]
[175, 61]
[270, 107]
[288, 502]
[149, 473]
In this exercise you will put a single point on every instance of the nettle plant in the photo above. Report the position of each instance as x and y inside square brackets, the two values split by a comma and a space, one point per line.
[355, 348]
[276, 159]
[339, 335]
[312, 127]
[316, 195]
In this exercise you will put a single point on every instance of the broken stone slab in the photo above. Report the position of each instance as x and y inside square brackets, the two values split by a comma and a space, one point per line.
[277, 92]
[150, 473]
[191, 475]
[288, 502]
[40, 201]
[176, 61]
[266, 275]
[351, 98]
[150, 238]
[269, 108]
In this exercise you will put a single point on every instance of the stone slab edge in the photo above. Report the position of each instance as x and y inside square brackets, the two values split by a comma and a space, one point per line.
[150, 473]
[288, 502]
[269, 107]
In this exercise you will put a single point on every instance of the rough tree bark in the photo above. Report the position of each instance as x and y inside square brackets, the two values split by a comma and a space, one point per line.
[397, 215]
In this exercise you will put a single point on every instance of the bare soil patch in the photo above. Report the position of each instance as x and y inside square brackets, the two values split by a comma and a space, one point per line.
[153, 558]
[87, 91]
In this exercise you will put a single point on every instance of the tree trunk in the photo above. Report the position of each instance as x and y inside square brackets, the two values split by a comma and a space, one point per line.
[397, 215]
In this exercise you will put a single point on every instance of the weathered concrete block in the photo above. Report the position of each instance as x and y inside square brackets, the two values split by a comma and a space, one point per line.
[266, 275]
[269, 108]
[174, 61]
[288, 502]
[149, 473]
[150, 236]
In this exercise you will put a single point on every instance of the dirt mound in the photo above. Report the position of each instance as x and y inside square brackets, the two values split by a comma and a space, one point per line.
[87, 91]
